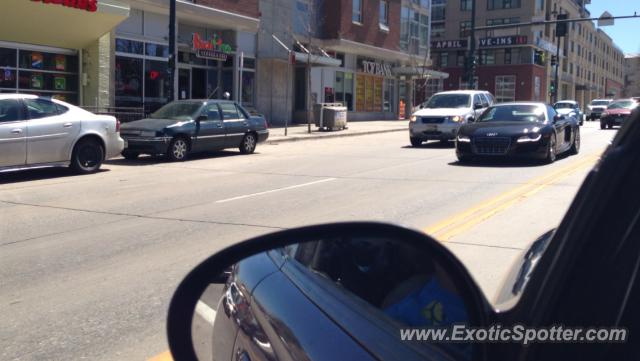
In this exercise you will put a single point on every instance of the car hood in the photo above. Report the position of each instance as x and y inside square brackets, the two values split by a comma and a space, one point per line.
[499, 128]
[441, 112]
[619, 111]
[150, 124]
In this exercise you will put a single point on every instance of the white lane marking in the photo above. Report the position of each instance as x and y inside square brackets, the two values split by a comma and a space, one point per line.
[206, 312]
[276, 190]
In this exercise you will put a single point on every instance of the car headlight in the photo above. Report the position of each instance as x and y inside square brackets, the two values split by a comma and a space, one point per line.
[413, 118]
[531, 138]
[456, 118]
[463, 139]
[148, 133]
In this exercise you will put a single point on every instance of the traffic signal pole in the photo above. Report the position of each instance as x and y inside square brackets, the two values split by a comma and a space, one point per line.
[472, 48]
[554, 95]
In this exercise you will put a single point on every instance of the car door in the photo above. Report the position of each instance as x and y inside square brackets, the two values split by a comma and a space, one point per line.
[51, 131]
[210, 132]
[477, 99]
[235, 123]
[13, 133]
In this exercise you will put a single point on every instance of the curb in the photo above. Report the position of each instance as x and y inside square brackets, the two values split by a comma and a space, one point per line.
[337, 135]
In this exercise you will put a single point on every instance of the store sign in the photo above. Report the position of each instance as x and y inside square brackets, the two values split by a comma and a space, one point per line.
[545, 45]
[371, 67]
[503, 40]
[449, 44]
[213, 49]
[88, 5]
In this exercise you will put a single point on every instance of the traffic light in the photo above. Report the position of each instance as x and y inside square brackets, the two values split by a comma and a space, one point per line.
[552, 88]
[561, 28]
[554, 60]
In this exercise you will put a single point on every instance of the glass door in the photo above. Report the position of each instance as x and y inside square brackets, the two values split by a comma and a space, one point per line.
[198, 83]
[184, 83]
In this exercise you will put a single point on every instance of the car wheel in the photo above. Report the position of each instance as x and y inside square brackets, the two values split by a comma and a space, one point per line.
[248, 144]
[575, 147]
[551, 151]
[602, 125]
[129, 155]
[416, 142]
[178, 149]
[463, 158]
[87, 156]
[609, 125]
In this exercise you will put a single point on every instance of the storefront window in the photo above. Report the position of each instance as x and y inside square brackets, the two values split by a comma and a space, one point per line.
[8, 57]
[248, 86]
[505, 88]
[388, 98]
[227, 82]
[129, 46]
[155, 84]
[129, 75]
[48, 61]
[7, 78]
[157, 50]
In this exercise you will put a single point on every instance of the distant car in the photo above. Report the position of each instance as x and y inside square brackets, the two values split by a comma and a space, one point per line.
[570, 107]
[441, 116]
[525, 129]
[617, 112]
[37, 131]
[186, 126]
[596, 108]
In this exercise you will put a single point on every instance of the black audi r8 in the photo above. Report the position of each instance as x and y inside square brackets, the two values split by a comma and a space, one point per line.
[523, 129]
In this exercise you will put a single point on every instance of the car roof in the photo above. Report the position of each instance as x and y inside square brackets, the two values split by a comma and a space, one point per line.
[520, 103]
[567, 101]
[463, 92]
[17, 96]
[602, 100]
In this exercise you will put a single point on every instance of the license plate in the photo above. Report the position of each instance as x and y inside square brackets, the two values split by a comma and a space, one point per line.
[432, 128]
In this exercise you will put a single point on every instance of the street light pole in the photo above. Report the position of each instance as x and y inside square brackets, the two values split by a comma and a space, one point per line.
[472, 47]
[171, 69]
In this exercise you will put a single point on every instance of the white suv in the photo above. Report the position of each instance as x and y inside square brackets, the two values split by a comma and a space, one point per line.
[440, 117]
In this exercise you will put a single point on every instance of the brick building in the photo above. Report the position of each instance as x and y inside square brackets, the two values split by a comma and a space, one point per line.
[514, 64]
[632, 75]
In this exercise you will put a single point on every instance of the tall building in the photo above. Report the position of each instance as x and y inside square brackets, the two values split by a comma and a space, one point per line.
[632, 75]
[514, 63]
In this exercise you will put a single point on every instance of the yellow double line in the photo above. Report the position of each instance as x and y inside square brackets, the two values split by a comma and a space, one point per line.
[462, 222]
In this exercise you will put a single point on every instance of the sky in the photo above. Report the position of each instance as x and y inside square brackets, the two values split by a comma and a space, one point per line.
[625, 31]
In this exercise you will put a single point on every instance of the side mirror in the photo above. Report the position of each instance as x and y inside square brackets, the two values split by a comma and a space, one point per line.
[471, 120]
[477, 106]
[558, 117]
[201, 118]
[345, 277]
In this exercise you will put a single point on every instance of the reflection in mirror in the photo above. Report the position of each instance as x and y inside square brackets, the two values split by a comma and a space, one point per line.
[329, 299]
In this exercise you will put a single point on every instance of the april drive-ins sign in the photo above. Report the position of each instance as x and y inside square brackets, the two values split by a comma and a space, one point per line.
[88, 5]
[503, 40]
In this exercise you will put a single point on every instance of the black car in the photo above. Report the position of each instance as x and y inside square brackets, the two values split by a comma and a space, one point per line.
[328, 292]
[533, 130]
[186, 126]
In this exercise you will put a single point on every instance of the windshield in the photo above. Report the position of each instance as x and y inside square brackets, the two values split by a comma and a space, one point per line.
[513, 113]
[564, 106]
[449, 101]
[600, 102]
[624, 104]
[178, 111]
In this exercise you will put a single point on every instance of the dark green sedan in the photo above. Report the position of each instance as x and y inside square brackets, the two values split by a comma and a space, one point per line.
[186, 126]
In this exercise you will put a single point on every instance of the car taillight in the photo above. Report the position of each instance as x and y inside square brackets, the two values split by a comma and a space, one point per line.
[117, 125]
[266, 124]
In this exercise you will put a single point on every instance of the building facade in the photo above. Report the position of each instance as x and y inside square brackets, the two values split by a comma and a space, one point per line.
[514, 63]
[632, 75]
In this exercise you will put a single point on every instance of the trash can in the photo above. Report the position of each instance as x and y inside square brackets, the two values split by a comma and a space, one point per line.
[330, 116]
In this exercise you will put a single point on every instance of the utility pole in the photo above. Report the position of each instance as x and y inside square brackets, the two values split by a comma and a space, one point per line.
[171, 69]
[561, 31]
[472, 47]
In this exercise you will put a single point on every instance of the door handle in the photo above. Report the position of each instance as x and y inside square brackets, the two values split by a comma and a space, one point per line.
[67, 125]
[16, 131]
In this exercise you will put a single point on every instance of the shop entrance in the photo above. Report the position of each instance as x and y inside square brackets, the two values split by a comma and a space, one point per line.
[192, 83]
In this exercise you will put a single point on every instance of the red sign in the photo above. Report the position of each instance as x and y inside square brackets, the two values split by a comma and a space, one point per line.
[212, 49]
[88, 5]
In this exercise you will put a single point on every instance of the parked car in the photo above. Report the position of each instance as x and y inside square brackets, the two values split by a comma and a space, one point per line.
[358, 291]
[185, 126]
[596, 108]
[441, 116]
[37, 131]
[524, 129]
[570, 108]
[617, 112]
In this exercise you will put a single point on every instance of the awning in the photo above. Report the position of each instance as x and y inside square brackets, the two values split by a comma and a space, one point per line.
[354, 47]
[316, 59]
[49, 24]
[419, 71]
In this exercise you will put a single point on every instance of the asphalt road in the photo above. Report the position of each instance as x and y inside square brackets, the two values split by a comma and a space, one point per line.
[89, 263]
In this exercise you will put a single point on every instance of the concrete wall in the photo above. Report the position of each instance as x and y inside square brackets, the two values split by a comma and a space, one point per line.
[275, 90]
[98, 63]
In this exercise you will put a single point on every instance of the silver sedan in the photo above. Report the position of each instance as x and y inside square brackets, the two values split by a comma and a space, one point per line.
[37, 131]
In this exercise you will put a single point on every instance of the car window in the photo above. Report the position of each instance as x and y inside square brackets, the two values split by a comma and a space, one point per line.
[490, 98]
[477, 99]
[212, 112]
[243, 113]
[229, 111]
[485, 100]
[40, 108]
[449, 101]
[551, 113]
[10, 110]
[513, 113]
[61, 109]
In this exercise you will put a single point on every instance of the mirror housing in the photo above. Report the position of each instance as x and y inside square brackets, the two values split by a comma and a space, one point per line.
[558, 117]
[477, 106]
[186, 298]
[471, 120]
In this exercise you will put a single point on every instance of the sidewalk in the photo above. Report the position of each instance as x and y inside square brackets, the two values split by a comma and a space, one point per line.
[298, 132]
